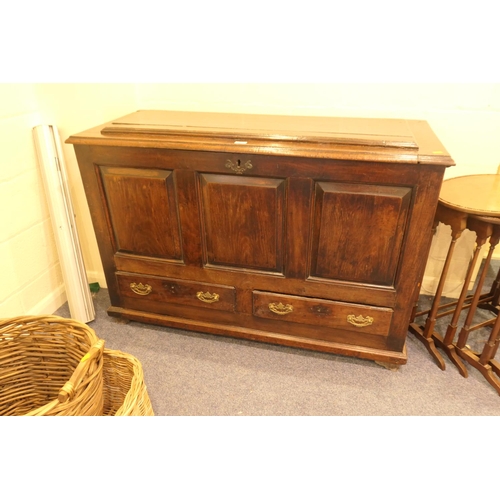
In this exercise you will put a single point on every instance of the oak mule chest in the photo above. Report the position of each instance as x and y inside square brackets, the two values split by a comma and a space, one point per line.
[310, 232]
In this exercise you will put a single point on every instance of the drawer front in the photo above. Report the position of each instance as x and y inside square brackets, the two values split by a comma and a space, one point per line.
[181, 292]
[325, 313]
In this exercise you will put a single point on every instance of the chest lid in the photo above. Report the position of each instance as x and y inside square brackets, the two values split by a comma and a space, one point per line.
[380, 139]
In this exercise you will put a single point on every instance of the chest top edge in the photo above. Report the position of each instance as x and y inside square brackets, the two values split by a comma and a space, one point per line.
[368, 139]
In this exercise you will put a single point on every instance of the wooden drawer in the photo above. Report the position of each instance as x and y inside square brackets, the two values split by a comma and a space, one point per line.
[325, 313]
[180, 292]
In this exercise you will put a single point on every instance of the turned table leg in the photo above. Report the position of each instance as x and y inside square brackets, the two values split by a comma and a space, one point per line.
[495, 292]
[457, 221]
[484, 362]
[464, 333]
[483, 232]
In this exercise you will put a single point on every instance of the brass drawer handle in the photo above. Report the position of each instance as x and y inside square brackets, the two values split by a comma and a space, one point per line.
[238, 167]
[359, 321]
[141, 289]
[208, 297]
[280, 308]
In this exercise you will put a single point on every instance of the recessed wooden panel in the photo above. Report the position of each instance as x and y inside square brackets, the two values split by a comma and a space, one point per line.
[243, 220]
[142, 211]
[358, 232]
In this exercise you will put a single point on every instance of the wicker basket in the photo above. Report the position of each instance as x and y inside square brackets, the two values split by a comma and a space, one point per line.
[50, 366]
[124, 390]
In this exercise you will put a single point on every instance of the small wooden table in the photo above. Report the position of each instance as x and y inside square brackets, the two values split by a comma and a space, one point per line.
[469, 202]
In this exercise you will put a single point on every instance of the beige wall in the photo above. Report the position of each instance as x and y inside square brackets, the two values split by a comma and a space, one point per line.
[31, 276]
[466, 117]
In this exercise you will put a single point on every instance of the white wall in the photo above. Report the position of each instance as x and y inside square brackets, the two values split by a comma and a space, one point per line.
[31, 276]
[466, 117]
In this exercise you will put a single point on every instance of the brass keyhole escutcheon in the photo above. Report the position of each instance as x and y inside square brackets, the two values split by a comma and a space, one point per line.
[322, 310]
[172, 288]
[238, 167]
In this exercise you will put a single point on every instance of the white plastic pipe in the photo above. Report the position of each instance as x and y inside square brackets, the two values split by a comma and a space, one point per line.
[53, 167]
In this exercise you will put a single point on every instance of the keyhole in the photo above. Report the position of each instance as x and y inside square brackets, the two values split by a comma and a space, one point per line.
[238, 163]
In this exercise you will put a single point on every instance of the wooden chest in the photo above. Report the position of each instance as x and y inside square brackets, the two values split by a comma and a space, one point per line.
[310, 232]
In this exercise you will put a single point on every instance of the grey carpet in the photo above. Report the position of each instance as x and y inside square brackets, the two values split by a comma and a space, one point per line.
[193, 374]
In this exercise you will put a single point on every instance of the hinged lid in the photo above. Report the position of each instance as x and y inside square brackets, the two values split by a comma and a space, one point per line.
[394, 140]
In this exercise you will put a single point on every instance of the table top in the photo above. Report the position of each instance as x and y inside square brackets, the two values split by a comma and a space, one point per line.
[472, 194]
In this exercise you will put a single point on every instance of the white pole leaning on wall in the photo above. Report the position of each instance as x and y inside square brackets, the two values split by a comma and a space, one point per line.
[53, 167]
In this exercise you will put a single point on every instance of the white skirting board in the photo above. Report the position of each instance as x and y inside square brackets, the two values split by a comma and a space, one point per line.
[53, 167]
[50, 303]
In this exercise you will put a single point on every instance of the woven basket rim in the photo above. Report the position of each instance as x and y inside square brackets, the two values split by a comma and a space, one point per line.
[136, 401]
[58, 362]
